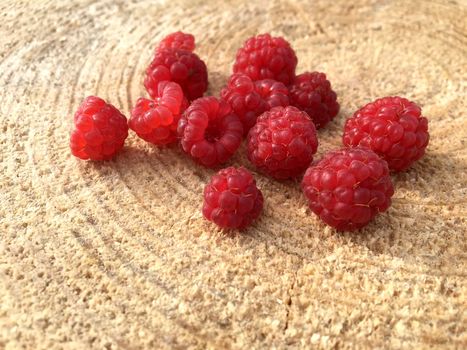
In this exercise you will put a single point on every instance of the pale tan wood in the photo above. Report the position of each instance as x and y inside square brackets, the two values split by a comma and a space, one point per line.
[117, 255]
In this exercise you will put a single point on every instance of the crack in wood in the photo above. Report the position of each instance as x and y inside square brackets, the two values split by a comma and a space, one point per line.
[289, 300]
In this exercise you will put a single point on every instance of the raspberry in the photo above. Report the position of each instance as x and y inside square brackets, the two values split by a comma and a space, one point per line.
[266, 57]
[348, 188]
[282, 142]
[180, 66]
[312, 93]
[100, 130]
[393, 127]
[231, 198]
[156, 121]
[210, 132]
[249, 99]
[178, 40]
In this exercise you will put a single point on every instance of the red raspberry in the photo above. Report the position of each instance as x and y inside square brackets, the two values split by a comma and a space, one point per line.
[312, 93]
[249, 99]
[348, 188]
[156, 121]
[180, 66]
[210, 132]
[231, 198]
[100, 130]
[282, 142]
[178, 40]
[393, 127]
[266, 57]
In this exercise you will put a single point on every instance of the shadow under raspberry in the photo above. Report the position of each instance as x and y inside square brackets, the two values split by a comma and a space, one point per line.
[412, 228]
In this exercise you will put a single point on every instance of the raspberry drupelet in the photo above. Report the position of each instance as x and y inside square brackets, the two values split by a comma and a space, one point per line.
[180, 66]
[282, 142]
[312, 93]
[249, 99]
[209, 131]
[266, 57]
[156, 120]
[231, 198]
[393, 127]
[178, 40]
[99, 130]
[348, 188]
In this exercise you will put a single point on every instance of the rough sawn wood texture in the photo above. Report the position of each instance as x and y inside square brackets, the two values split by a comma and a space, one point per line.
[116, 255]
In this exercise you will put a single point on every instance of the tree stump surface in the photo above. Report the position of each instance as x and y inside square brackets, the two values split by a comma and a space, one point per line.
[116, 255]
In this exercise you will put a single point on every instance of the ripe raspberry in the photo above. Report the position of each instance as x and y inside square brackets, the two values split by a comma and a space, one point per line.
[393, 127]
[249, 99]
[231, 198]
[182, 67]
[282, 142]
[266, 57]
[100, 130]
[312, 93]
[348, 188]
[156, 121]
[210, 132]
[178, 40]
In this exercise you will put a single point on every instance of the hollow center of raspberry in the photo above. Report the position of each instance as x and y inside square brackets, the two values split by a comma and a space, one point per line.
[212, 133]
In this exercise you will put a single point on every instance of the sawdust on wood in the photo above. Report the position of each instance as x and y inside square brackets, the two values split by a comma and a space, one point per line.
[116, 255]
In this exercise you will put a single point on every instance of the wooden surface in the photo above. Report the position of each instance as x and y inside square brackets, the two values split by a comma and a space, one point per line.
[116, 255]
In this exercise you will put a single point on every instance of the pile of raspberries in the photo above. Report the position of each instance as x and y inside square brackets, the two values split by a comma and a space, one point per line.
[278, 113]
